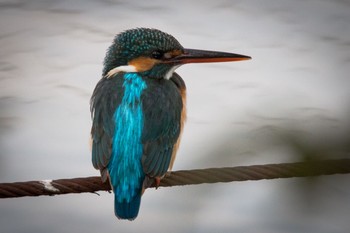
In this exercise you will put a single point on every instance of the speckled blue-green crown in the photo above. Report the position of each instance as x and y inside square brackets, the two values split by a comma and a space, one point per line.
[137, 42]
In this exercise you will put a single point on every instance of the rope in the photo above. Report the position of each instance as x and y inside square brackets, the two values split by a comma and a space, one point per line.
[178, 178]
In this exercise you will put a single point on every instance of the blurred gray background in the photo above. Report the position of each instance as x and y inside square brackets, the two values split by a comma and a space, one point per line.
[287, 104]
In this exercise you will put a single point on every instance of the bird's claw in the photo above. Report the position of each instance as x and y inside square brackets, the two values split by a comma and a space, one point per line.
[157, 182]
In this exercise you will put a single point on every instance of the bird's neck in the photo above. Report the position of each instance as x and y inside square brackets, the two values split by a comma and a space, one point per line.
[157, 72]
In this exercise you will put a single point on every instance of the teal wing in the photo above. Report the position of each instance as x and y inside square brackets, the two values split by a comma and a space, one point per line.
[104, 101]
[162, 107]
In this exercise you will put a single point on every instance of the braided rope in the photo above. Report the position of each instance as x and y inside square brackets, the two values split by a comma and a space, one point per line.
[177, 178]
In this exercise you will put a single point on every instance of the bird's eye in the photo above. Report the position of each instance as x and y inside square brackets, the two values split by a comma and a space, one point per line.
[157, 54]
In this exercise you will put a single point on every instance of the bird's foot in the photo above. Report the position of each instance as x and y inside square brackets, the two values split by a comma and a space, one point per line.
[157, 182]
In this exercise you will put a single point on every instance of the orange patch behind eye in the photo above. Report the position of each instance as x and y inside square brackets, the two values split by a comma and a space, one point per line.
[143, 63]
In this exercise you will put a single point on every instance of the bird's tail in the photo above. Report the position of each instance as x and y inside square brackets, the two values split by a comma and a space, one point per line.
[127, 210]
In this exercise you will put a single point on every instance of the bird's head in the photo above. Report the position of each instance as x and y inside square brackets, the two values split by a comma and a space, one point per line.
[155, 54]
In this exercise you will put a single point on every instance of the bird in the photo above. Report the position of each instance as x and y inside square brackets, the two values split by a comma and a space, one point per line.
[138, 110]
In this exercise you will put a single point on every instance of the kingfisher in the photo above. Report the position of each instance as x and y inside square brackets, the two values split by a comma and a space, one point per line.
[138, 112]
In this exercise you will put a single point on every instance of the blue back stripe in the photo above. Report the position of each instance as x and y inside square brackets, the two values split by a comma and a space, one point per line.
[125, 168]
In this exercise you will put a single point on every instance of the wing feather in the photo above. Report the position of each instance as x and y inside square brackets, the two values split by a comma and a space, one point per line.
[104, 101]
[162, 106]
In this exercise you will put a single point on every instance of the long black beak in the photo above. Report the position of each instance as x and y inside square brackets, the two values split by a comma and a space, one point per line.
[204, 56]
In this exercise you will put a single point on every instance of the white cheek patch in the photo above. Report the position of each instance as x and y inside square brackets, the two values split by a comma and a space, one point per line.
[126, 69]
[170, 72]
[131, 69]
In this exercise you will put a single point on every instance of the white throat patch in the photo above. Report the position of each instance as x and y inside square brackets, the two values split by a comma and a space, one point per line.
[170, 72]
[128, 68]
